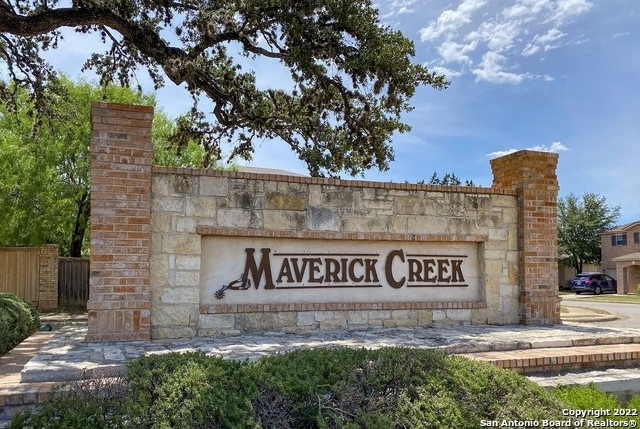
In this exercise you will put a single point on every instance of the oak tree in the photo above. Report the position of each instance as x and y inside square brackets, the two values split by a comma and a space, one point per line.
[351, 77]
[580, 221]
[44, 172]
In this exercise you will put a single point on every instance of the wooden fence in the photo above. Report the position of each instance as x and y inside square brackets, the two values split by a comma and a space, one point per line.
[20, 272]
[73, 282]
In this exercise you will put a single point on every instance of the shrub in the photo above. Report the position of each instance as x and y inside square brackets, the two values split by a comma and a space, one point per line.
[638, 289]
[322, 388]
[589, 398]
[18, 320]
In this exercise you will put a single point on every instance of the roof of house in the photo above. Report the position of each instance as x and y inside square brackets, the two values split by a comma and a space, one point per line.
[262, 170]
[621, 228]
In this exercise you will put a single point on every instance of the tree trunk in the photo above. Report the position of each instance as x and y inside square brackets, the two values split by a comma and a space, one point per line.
[80, 226]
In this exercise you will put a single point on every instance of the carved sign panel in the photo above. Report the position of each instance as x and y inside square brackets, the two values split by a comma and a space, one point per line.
[242, 270]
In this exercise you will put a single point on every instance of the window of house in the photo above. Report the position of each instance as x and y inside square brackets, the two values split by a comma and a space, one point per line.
[636, 237]
[619, 240]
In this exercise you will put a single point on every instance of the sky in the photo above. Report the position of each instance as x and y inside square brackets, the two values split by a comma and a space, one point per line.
[550, 75]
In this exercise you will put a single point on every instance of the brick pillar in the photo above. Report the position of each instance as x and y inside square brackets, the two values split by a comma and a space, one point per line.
[121, 155]
[48, 288]
[533, 175]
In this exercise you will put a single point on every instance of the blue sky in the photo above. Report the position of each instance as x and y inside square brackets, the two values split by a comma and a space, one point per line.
[553, 75]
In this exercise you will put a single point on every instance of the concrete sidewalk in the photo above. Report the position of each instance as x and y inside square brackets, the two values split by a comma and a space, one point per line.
[28, 373]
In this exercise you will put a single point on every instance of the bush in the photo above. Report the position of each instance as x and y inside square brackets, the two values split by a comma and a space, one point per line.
[323, 388]
[18, 320]
[590, 398]
[638, 289]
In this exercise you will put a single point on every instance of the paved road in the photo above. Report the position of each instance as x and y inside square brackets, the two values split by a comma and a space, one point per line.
[629, 312]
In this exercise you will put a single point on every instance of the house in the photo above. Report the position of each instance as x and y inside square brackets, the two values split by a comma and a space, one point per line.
[621, 255]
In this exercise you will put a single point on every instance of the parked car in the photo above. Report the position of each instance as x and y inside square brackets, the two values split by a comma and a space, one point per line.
[596, 283]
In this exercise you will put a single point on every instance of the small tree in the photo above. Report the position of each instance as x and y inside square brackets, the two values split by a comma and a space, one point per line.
[448, 179]
[580, 220]
[44, 170]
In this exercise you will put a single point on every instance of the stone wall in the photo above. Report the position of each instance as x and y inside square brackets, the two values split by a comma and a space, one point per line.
[189, 205]
[147, 239]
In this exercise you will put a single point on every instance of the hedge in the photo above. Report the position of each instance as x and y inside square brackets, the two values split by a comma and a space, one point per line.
[18, 320]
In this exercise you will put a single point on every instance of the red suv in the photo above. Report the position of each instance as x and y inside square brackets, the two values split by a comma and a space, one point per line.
[596, 283]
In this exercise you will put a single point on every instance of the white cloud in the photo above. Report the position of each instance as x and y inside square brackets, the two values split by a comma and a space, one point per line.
[451, 20]
[556, 147]
[566, 10]
[486, 39]
[491, 70]
[449, 73]
[545, 42]
[456, 52]
[397, 7]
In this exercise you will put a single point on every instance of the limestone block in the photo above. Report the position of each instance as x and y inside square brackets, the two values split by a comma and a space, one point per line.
[167, 333]
[498, 234]
[379, 223]
[286, 201]
[156, 243]
[424, 317]
[400, 314]
[459, 314]
[379, 205]
[409, 206]
[181, 244]
[512, 269]
[181, 295]
[379, 315]
[286, 318]
[400, 323]
[171, 315]
[306, 318]
[285, 220]
[181, 184]
[158, 270]
[508, 291]
[258, 321]
[239, 218]
[167, 204]
[160, 185]
[184, 224]
[214, 186]
[338, 197]
[321, 316]
[357, 317]
[201, 206]
[427, 225]
[399, 225]
[246, 200]
[439, 315]
[187, 278]
[479, 316]
[490, 220]
[498, 255]
[376, 194]
[503, 201]
[252, 186]
[510, 215]
[161, 222]
[334, 324]
[185, 262]
[322, 219]
[462, 226]
[217, 321]
[315, 196]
